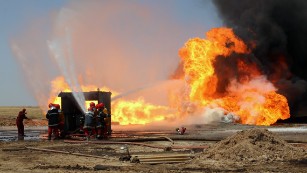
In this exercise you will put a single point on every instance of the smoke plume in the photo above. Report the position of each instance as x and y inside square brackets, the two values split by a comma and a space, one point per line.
[278, 32]
[119, 44]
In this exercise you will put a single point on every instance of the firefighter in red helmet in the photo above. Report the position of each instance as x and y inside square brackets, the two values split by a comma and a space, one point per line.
[89, 122]
[53, 121]
[101, 121]
[19, 121]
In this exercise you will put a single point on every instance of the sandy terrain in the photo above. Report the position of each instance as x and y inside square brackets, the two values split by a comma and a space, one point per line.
[228, 149]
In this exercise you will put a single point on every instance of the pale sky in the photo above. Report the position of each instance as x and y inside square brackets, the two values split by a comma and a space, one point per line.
[194, 17]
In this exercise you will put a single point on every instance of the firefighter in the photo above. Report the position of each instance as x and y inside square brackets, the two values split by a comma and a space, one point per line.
[101, 121]
[89, 121]
[61, 121]
[19, 121]
[93, 106]
[107, 121]
[53, 121]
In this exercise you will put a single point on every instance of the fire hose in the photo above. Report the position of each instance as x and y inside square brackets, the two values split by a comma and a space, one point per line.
[131, 139]
[135, 143]
[144, 139]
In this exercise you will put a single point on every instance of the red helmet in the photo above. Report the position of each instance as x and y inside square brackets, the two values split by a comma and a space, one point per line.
[99, 106]
[102, 105]
[92, 104]
[57, 106]
[50, 105]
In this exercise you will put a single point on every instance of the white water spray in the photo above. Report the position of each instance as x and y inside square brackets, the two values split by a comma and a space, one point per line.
[62, 50]
[66, 66]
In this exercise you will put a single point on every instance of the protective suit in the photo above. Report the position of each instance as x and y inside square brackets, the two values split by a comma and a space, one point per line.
[53, 121]
[19, 122]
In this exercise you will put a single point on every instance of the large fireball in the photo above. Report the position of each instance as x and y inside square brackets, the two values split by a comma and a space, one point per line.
[248, 93]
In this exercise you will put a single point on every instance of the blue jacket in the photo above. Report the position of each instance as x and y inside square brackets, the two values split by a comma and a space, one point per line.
[89, 120]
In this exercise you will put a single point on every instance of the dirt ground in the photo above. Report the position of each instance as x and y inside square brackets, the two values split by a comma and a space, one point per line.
[217, 148]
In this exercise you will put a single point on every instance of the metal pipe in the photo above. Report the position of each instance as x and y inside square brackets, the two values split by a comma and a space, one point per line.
[64, 152]
[137, 143]
[163, 156]
[164, 159]
[161, 162]
[132, 139]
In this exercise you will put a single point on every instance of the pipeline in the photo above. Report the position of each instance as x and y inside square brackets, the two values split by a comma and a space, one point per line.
[143, 139]
[80, 137]
[64, 152]
[135, 143]
[161, 158]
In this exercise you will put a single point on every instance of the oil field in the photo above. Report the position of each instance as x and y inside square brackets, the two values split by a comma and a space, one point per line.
[217, 147]
[153, 86]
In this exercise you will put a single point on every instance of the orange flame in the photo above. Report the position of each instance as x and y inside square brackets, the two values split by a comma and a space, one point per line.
[139, 112]
[123, 111]
[57, 85]
[253, 98]
[250, 95]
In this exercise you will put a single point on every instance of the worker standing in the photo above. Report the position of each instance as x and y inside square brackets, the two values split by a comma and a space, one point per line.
[53, 121]
[89, 121]
[107, 121]
[101, 125]
[101, 121]
[19, 121]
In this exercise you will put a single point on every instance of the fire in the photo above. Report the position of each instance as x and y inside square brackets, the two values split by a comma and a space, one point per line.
[139, 112]
[123, 111]
[57, 85]
[240, 88]
[248, 95]
[198, 56]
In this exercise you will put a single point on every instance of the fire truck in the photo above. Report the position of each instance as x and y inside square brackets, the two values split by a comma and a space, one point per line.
[73, 112]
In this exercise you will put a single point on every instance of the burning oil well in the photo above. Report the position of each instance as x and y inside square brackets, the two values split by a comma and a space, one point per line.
[277, 35]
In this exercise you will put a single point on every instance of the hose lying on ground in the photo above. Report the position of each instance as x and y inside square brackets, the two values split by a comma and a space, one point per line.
[136, 143]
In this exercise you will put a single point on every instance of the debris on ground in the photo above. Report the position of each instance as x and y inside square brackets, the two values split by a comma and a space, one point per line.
[254, 145]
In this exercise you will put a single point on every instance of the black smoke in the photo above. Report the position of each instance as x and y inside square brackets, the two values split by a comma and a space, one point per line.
[278, 31]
